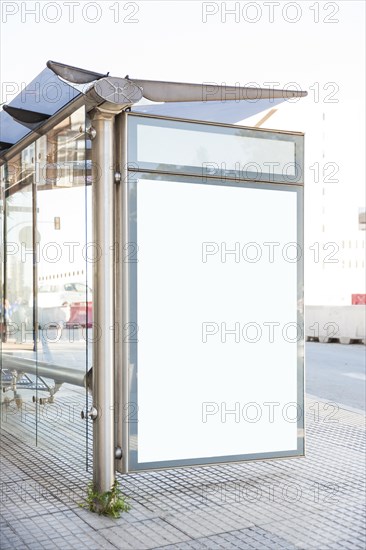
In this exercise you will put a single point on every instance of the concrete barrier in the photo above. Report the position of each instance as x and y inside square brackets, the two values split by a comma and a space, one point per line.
[344, 324]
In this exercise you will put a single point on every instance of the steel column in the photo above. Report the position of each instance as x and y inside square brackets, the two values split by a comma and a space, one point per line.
[103, 299]
[122, 296]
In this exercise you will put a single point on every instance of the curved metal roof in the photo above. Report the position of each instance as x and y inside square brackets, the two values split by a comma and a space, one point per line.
[49, 98]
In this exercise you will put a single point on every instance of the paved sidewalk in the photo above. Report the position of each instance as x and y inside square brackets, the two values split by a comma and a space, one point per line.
[315, 502]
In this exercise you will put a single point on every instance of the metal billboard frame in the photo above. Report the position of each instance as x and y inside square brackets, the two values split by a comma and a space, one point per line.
[127, 426]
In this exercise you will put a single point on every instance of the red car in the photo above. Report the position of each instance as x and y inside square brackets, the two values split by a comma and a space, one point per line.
[80, 314]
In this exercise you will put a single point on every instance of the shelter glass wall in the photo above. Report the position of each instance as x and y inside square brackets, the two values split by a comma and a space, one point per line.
[18, 269]
[3, 312]
[47, 286]
[19, 262]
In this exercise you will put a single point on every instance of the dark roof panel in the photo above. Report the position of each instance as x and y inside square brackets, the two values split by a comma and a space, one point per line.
[39, 100]
[45, 94]
[10, 131]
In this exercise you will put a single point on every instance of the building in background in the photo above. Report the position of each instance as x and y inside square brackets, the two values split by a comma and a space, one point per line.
[334, 203]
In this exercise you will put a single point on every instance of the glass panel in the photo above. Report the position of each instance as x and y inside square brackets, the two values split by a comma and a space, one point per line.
[45, 94]
[209, 150]
[4, 308]
[18, 277]
[216, 369]
[47, 288]
[64, 294]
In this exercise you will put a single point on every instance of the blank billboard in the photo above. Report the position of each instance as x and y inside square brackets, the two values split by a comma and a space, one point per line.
[216, 368]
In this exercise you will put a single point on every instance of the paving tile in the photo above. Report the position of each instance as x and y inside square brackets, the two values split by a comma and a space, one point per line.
[317, 502]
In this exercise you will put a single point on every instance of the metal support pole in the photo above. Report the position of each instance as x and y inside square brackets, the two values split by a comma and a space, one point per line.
[103, 299]
[122, 295]
[39, 159]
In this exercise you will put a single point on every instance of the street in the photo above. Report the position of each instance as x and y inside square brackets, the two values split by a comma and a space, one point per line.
[333, 372]
[336, 372]
[307, 502]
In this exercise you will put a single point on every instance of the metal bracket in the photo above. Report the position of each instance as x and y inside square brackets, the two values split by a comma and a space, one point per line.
[118, 453]
[91, 132]
[92, 413]
[51, 398]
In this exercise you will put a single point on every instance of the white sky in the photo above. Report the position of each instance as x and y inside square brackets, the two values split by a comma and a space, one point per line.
[170, 41]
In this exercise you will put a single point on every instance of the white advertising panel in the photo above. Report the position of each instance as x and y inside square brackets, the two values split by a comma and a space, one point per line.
[216, 368]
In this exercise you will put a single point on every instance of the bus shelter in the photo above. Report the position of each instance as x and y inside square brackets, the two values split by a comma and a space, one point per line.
[177, 242]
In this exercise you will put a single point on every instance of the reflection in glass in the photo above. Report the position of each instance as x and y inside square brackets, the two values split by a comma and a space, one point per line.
[18, 276]
[3, 302]
[17, 297]
[46, 293]
[64, 292]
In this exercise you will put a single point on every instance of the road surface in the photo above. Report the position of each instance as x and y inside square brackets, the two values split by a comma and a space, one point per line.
[333, 372]
[336, 372]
